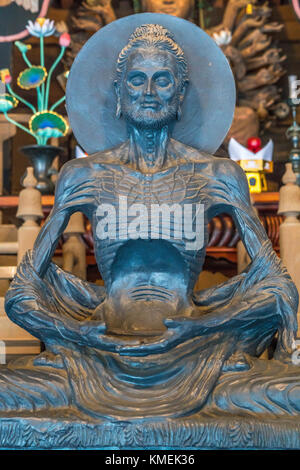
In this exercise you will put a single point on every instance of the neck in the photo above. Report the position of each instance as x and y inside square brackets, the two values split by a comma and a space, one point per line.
[148, 148]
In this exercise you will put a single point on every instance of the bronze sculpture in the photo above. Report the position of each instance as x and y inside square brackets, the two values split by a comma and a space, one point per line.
[181, 8]
[146, 361]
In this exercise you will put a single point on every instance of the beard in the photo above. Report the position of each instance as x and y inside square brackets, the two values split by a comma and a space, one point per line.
[149, 118]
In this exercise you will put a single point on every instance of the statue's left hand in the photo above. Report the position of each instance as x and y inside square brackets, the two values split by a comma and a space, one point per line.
[179, 330]
[92, 333]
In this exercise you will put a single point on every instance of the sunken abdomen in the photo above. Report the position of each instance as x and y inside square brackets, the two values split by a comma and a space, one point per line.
[149, 282]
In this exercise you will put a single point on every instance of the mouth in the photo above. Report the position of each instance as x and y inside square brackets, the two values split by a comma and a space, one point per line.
[153, 106]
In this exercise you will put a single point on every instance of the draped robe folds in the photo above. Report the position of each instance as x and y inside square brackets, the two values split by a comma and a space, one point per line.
[185, 369]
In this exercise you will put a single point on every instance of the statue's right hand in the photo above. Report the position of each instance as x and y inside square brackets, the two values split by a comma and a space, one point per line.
[89, 330]
[92, 333]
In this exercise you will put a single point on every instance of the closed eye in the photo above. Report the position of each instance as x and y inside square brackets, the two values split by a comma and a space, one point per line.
[162, 82]
[163, 79]
[136, 80]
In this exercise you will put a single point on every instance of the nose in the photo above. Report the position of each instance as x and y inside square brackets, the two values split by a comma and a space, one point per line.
[148, 88]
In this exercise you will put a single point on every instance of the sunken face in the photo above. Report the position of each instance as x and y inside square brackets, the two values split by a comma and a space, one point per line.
[151, 89]
[181, 8]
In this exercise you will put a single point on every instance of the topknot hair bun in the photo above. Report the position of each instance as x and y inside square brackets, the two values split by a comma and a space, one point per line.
[154, 30]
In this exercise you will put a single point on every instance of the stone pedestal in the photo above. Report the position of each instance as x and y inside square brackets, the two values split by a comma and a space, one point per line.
[197, 432]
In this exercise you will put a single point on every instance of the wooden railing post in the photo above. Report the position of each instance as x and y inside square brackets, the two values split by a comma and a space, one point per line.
[74, 252]
[30, 210]
[289, 234]
[7, 130]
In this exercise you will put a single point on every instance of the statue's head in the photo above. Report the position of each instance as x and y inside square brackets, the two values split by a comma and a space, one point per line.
[152, 75]
[152, 78]
[182, 8]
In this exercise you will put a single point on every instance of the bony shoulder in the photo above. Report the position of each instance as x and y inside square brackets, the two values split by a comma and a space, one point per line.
[189, 153]
[232, 176]
[71, 173]
[227, 169]
[219, 166]
[77, 165]
[83, 167]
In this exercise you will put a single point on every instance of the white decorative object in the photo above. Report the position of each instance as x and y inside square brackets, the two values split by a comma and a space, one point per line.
[79, 153]
[249, 160]
[32, 5]
[223, 37]
[41, 28]
[293, 82]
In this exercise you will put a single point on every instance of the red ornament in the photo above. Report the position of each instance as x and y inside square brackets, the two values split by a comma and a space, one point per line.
[254, 144]
[7, 79]
[64, 39]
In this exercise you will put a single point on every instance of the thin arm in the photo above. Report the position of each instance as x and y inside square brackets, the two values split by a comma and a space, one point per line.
[51, 231]
[48, 237]
[247, 222]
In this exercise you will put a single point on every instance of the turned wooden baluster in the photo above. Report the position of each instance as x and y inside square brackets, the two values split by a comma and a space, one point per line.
[7, 130]
[14, 340]
[74, 252]
[30, 210]
[289, 233]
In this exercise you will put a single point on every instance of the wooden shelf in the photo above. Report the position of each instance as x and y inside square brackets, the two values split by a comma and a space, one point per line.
[13, 201]
[223, 232]
[261, 198]
[267, 197]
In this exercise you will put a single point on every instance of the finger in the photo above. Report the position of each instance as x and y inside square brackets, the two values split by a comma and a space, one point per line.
[170, 339]
[112, 344]
[101, 327]
[179, 322]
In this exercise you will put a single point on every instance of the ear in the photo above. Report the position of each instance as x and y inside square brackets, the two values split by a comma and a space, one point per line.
[181, 98]
[183, 91]
[117, 90]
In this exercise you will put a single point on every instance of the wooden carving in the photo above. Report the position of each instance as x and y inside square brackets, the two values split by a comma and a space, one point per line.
[246, 36]
[85, 20]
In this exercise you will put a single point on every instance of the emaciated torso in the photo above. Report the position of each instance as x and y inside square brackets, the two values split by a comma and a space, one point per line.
[156, 268]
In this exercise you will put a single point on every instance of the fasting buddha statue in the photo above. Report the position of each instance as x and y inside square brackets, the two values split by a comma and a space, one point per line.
[146, 360]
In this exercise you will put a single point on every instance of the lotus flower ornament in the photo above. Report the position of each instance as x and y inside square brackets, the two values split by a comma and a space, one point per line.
[42, 27]
[44, 123]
